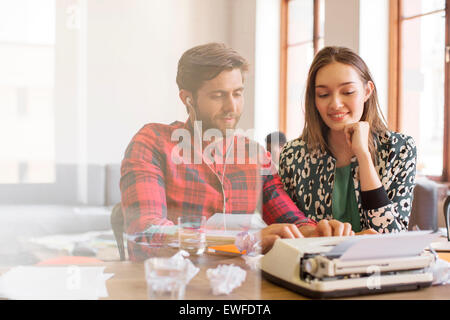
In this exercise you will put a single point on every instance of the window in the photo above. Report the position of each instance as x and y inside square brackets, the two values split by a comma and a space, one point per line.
[27, 37]
[301, 38]
[419, 97]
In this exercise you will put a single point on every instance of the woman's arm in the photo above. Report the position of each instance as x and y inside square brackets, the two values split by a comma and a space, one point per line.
[387, 201]
[357, 135]
[387, 208]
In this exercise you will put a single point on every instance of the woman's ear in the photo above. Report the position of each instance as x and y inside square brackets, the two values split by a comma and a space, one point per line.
[368, 90]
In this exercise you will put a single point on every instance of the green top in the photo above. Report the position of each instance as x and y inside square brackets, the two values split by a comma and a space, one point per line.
[344, 205]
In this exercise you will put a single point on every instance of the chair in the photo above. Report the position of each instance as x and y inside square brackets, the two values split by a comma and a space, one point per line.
[424, 211]
[447, 215]
[117, 224]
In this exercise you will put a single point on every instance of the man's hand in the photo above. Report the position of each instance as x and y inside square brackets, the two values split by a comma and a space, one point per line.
[276, 231]
[368, 231]
[328, 228]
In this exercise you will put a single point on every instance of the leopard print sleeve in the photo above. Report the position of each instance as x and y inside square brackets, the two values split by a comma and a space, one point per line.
[397, 172]
[285, 170]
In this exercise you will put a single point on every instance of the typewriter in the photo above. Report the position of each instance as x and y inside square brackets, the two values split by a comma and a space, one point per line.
[332, 267]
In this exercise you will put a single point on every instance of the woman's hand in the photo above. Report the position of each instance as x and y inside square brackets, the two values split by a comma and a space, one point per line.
[357, 137]
[276, 231]
[325, 228]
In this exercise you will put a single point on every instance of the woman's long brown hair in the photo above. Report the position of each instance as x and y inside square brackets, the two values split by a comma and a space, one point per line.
[315, 131]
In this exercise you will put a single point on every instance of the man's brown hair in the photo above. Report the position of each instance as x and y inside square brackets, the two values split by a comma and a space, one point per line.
[205, 62]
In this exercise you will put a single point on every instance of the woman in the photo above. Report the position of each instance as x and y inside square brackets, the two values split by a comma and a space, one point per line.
[347, 165]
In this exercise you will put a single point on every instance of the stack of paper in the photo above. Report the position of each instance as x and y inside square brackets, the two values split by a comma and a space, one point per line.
[384, 246]
[231, 224]
[54, 283]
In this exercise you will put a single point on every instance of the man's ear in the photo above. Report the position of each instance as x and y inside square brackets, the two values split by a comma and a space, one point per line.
[187, 99]
[369, 90]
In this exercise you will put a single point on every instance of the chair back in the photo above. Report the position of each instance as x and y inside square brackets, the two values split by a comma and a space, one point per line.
[447, 215]
[117, 224]
[424, 210]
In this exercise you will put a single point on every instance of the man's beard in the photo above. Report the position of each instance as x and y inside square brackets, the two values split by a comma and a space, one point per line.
[212, 123]
[218, 122]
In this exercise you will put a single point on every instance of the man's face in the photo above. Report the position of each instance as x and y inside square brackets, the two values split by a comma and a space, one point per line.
[220, 101]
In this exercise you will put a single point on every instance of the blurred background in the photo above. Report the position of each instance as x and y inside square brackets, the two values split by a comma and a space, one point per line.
[78, 78]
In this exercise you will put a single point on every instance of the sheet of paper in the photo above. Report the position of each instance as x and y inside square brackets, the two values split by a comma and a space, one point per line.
[93, 239]
[240, 222]
[383, 246]
[101, 290]
[441, 246]
[227, 234]
[153, 230]
[218, 225]
[54, 283]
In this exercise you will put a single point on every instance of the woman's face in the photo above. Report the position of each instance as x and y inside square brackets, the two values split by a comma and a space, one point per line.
[340, 95]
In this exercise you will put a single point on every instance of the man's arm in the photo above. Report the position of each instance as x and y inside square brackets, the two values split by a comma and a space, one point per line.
[278, 207]
[143, 191]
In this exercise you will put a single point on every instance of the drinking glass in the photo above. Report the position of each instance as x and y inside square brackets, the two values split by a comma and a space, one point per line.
[166, 278]
[192, 234]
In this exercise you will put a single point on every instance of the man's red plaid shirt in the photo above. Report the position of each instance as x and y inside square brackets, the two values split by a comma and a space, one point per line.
[156, 188]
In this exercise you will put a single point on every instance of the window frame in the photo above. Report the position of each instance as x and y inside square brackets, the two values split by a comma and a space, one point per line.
[284, 46]
[395, 111]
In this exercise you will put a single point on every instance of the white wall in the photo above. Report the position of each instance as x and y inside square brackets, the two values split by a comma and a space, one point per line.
[65, 97]
[267, 68]
[115, 71]
[374, 44]
[342, 23]
[363, 26]
[133, 51]
[242, 28]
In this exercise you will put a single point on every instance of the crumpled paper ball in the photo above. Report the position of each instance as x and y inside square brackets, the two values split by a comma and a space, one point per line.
[225, 278]
[441, 272]
[254, 262]
[192, 270]
[250, 242]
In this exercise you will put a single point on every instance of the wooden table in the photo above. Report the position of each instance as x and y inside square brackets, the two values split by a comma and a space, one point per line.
[128, 282]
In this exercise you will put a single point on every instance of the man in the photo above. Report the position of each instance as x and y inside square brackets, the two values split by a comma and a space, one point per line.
[168, 170]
